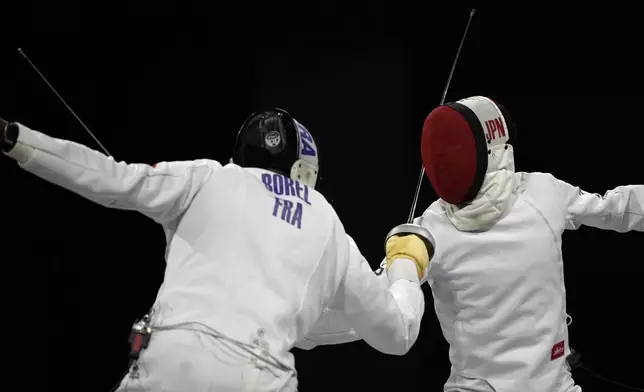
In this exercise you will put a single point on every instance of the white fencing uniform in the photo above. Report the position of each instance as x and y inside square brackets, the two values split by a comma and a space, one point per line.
[499, 294]
[253, 258]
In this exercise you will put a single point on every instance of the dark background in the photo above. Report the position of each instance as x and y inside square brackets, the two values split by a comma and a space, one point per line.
[164, 81]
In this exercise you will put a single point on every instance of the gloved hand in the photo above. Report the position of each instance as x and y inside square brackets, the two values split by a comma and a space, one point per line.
[410, 242]
[8, 135]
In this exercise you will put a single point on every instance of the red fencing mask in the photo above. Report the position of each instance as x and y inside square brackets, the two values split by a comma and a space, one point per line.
[458, 146]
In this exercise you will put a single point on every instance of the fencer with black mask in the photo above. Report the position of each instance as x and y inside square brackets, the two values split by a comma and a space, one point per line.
[497, 273]
[254, 256]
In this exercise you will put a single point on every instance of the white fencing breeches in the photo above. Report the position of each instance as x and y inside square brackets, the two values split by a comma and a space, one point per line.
[180, 361]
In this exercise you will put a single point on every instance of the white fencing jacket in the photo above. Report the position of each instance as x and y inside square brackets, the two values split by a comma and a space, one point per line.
[247, 249]
[499, 295]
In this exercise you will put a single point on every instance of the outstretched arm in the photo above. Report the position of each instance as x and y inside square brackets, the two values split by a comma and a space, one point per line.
[333, 326]
[387, 317]
[161, 192]
[620, 209]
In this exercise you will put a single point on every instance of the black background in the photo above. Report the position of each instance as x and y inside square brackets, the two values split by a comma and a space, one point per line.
[162, 81]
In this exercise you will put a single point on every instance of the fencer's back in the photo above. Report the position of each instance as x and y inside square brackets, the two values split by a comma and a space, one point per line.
[499, 294]
[251, 252]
